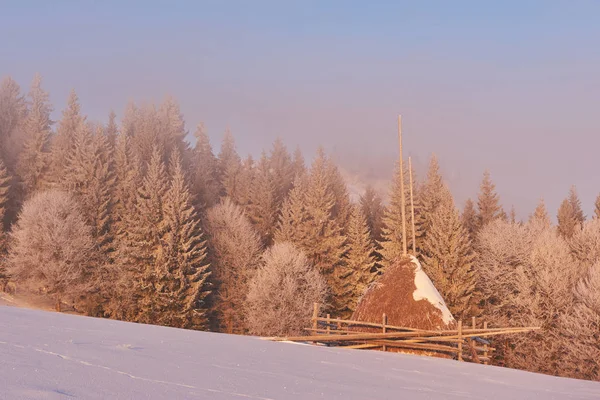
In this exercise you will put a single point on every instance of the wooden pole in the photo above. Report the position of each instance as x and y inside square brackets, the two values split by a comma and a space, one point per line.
[412, 208]
[328, 324]
[315, 317]
[403, 200]
[384, 323]
[485, 347]
[460, 358]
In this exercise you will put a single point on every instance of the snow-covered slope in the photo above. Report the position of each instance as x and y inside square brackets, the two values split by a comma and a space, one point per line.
[47, 355]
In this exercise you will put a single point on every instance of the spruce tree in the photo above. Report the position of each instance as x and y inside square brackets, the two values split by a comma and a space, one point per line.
[308, 221]
[597, 207]
[229, 166]
[69, 126]
[5, 180]
[112, 130]
[243, 184]
[342, 207]
[570, 215]
[299, 167]
[34, 159]
[89, 175]
[513, 215]
[540, 215]
[373, 209]
[282, 169]
[359, 258]
[13, 111]
[140, 245]
[576, 205]
[469, 218]
[173, 130]
[448, 258]
[391, 242]
[183, 271]
[128, 175]
[263, 209]
[488, 202]
[205, 177]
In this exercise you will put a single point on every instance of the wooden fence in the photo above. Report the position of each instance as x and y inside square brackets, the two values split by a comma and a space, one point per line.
[462, 343]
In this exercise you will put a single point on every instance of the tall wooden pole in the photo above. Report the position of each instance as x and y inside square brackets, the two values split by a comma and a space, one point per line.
[403, 201]
[412, 209]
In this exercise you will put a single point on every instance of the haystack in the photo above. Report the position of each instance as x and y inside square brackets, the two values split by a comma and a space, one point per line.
[408, 298]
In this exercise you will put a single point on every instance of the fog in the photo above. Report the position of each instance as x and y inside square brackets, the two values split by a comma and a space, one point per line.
[511, 87]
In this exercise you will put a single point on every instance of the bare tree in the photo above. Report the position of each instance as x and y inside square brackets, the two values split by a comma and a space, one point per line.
[282, 292]
[51, 244]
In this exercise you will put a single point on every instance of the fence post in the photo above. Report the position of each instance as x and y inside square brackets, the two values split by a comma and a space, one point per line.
[315, 321]
[328, 327]
[485, 347]
[384, 330]
[460, 339]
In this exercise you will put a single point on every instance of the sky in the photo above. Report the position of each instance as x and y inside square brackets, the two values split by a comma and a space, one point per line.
[511, 86]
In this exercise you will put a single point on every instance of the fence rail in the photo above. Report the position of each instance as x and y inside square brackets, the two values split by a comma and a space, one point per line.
[463, 343]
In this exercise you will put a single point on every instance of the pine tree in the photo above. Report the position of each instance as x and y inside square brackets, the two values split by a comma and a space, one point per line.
[540, 215]
[307, 221]
[206, 183]
[34, 159]
[373, 210]
[359, 258]
[513, 215]
[229, 166]
[448, 258]
[243, 184]
[488, 202]
[597, 207]
[70, 125]
[182, 282]
[140, 245]
[112, 130]
[576, 205]
[89, 176]
[298, 163]
[391, 242]
[469, 218]
[13, 111]
[282, 169]
[570, 215]
[5, 180]
[263, 209]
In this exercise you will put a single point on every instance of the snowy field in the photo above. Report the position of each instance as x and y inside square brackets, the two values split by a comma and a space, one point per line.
[46, 355]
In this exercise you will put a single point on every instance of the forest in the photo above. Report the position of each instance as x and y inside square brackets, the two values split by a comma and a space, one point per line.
[131, 220]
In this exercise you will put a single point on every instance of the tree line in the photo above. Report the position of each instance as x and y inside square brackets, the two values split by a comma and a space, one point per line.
[128, 220]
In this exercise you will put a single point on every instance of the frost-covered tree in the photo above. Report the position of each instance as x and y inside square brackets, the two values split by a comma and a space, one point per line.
[448, 257]
[205, 177]
[373, 209]
[570, 215]
[585, 244]
[359, 258]
[282, 292]
[234, 248]
[69, 126]
[34, 159]
[597, 207]
[229, 165]
[307, 221]
[469, 218]
[488, 202]
[13, 111]
[51, 245]
[183, 269]
[112, 130]
[281, 167]
[540, 214]
[298, 163]
[263, 210]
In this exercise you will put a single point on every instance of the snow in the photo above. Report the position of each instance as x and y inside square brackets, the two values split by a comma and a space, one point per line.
[57, 356]
[427, 291]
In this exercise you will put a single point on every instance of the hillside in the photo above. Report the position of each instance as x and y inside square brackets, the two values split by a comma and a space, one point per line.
[48, 355]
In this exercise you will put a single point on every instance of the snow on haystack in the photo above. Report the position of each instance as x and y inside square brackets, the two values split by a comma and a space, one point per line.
[427, 291]
[407, 296]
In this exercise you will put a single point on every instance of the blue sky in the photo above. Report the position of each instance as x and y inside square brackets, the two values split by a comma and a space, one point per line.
[510, 86]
